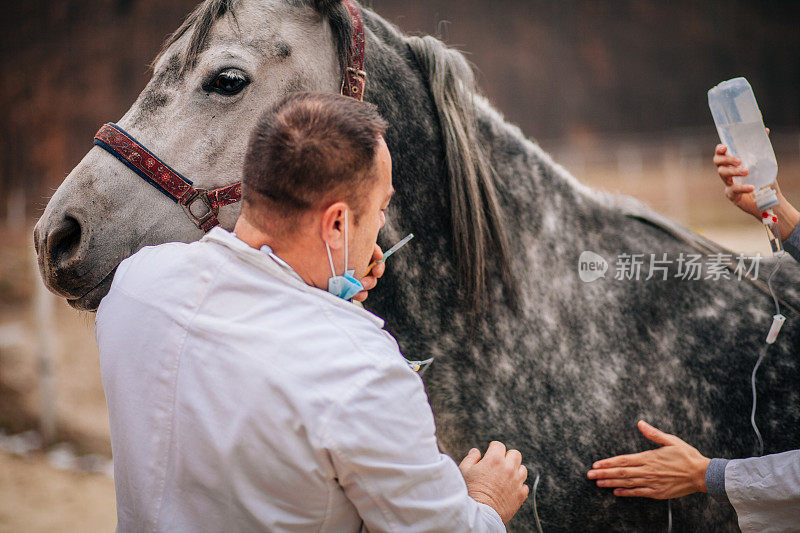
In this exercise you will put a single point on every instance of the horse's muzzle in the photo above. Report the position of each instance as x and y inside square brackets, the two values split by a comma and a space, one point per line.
[61, 248]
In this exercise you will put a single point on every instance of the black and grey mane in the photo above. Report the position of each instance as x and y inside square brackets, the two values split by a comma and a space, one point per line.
[479, 230]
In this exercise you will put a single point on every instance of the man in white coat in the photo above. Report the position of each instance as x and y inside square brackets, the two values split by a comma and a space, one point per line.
[247, 393]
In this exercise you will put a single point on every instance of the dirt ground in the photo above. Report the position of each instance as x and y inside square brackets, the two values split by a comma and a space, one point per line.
[35, 497]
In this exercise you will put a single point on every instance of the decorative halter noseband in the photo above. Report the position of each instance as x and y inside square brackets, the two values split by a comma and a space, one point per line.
[160, 175]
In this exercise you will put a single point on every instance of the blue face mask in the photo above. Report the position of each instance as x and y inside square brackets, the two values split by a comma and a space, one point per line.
[345, 286]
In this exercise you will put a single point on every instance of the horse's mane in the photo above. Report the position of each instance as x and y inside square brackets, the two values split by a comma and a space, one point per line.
[200, 21]
[479, 230]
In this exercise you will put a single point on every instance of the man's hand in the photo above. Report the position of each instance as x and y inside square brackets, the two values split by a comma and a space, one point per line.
[498, 480]
[674, 470]
[740, 194]
[371, 280]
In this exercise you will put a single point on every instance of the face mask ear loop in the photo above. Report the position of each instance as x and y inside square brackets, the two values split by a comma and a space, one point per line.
[346, 242]
[330, 259]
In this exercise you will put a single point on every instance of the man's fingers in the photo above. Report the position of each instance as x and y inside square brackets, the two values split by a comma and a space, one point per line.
[472, 457]
[732, 169]
[522, 473]
[638, 492]
[613, 473]
[523, 493]
[622, 483]
[721, 149]
[515, 457]
[369, 282]
[496, 451]
[658, 436]
[378, 270]
[734, 192]
[611, 462]
[726, 160]
[728, 173]
[377, 253]
[633, 459]
[741, 188]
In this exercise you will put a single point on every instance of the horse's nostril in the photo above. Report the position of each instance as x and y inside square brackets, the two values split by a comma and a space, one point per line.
[64, 241]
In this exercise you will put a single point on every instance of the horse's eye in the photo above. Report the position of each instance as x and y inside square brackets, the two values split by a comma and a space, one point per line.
[228, 83]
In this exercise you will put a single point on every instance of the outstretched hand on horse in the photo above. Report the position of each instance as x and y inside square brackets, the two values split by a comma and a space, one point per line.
[675, 469]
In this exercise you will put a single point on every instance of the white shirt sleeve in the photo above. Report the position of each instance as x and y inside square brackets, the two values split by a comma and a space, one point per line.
[383, 447]
[765, 491]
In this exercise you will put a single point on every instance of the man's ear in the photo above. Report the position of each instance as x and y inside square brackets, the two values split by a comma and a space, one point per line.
[332, 225]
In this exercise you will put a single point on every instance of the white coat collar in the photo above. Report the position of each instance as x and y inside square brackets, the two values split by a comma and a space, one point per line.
[278, 268]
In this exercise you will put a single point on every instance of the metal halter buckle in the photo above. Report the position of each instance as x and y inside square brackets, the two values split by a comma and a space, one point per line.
[211, 210]
[356, 73]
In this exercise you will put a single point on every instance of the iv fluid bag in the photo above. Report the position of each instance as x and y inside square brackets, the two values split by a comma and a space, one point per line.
[741, 129]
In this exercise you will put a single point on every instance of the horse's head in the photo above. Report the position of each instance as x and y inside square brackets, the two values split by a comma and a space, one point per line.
[226, 63]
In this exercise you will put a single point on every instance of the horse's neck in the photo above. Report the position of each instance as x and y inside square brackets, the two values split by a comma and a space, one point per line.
[531, 180]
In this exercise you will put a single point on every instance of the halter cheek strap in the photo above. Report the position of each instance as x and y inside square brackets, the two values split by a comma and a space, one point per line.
[201, 205]
[355, 78]
[180, 190]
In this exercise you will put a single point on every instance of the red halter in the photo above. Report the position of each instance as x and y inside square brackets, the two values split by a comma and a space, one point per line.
[149, 167]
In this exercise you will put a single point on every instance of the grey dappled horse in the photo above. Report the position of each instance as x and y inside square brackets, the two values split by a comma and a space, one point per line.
[525, 351]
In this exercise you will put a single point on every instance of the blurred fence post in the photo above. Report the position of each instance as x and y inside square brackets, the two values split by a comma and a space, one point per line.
[45, 332]
[630, 163]
[675, 168]
[15, 210]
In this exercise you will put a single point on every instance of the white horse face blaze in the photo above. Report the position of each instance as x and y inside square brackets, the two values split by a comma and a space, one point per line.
[198, 121]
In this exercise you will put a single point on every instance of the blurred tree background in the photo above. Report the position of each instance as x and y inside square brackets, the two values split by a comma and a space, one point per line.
[566, 71]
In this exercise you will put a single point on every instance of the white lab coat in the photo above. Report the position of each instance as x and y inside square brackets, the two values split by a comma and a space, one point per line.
[242, 399]
[765, 491]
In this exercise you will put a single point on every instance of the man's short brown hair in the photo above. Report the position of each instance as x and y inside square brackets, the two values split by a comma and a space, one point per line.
[306, 150]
